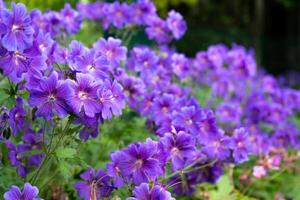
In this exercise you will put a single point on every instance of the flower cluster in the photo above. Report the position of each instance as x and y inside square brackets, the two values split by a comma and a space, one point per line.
[52, 80]
[251, 98]
[189, 136]
[59, 81]
[18, 155]
[141, 13]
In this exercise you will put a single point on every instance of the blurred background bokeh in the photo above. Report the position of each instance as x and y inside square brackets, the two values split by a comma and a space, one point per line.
[271, 27]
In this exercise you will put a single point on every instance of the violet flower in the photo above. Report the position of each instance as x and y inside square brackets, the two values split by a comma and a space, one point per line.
[176, 24]
[146, 192]
[18, 29]
[181, 65]
[112, 99]
[140, 162]
[76, 50]
[218, 147]
[142, 11]
[84, 94]
[90, 62]
[17, 117]
[50, 97]
[119, 14]
[91, 126]
[34, 141]
[16, 157]
[207, 126]
[158, 30]
[71, 19]
[143, 60]
[16, 63]
[241, 145]
[188, 118]
[113, 169]
[179, 147]
[163, 107]
[111, 49]
[29, 193]
[96, 185]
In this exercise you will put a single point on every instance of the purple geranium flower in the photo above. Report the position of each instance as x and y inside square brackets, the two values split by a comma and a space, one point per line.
[17, 117]
[216, 54]
[18, 30]
[223, 87]
[180, 65]
[134, 88]
[176, 24]
[229, 112]
[276, 113]
[140, 162]
[84, 95]
[76, 50]
[241, 145]
[188, 118]
[162, 108]
[240, 62]
[145, 107]
[111, 49]
[119, 14]
[17, 154]
[91, 11]
[179, 147]
[60, 55]
[113, 169]
[90, 62]
[34, 141]
[158, 30]
[96, 185]
[14, 64]
[29, 193]
[16, 157]
[218, 147]
[208, 127]
[91, 125]
[143, 60]
[158, 78]
[50, 97]
[146, 192]
[112, 99]
[142, 11]
[44, 43]
[71, 19]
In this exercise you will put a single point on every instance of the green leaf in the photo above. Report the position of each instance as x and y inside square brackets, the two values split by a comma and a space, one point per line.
[10, 102]
[3, 96]
[224, 189]
[65, 169]
[82, 162]
[65, 152]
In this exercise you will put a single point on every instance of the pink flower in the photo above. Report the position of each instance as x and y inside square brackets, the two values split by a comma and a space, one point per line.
[259, 171]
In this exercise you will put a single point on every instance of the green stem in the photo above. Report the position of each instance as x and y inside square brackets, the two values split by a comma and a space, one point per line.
[50, 150]
[186, 169]
[49, 180]
[34, 178]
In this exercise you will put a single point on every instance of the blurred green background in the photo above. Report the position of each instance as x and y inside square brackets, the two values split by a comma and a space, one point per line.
[271, 27]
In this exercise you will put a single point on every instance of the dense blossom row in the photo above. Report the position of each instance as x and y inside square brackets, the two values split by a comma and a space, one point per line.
[90, 85]
[256, 101]
[140, 13]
